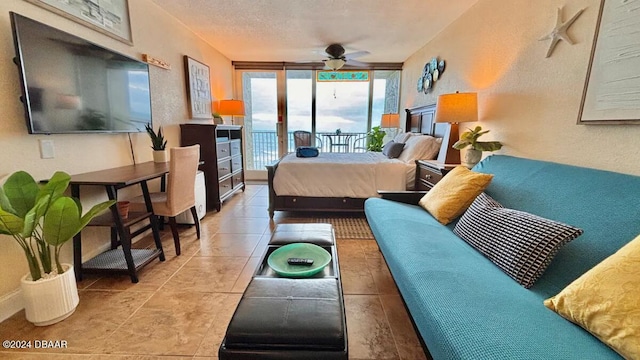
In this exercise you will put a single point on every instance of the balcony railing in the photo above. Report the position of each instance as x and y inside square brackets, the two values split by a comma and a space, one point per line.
[263, 148]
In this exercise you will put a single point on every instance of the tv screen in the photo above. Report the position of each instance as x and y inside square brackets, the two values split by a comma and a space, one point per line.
[71, 85]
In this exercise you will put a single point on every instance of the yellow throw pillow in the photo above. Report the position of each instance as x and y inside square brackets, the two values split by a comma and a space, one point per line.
[452, 195]
[606, 301]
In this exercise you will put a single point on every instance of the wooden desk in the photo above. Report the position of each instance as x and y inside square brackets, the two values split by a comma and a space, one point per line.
[125, 260]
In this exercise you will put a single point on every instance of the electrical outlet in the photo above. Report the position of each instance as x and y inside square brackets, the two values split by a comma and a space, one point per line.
[47, 150]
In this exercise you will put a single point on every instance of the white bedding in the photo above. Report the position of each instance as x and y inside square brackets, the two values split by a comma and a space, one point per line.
[355, 175]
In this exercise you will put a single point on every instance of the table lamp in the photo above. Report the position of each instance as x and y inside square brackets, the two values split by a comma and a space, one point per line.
[454, 109]
[390, 121]
[230, 107]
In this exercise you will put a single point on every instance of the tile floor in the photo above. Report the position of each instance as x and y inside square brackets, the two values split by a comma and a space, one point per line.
[181, 307]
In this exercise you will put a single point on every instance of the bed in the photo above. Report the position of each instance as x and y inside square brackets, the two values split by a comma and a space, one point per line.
[343, 181]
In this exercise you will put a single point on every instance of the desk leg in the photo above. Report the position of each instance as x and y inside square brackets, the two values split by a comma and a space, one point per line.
[163, 188]
[125, 237]
[153, 219]
[77, 241]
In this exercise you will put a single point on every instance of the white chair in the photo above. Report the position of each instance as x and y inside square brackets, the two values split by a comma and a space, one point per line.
[180, 194]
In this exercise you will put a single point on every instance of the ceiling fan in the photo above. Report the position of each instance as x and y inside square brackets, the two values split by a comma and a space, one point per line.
[337, 57]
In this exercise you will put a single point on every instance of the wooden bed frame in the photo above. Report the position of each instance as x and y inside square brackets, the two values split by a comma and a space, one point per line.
[419, 120]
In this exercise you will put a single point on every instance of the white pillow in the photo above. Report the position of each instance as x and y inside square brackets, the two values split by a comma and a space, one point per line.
[423, 147]
[402, 137]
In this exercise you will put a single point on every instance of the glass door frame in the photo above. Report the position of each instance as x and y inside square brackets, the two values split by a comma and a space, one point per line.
[280, 126]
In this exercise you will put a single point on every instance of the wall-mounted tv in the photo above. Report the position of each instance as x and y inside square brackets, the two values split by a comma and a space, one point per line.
[70, 85]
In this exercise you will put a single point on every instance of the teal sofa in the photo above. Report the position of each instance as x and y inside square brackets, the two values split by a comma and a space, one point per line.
[463, 305]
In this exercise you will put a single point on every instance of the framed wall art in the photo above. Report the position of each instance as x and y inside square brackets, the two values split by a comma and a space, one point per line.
[612, 87]
[109, 17]
[198, 88]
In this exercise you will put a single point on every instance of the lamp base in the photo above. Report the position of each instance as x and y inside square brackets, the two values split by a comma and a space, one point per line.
[447, 154]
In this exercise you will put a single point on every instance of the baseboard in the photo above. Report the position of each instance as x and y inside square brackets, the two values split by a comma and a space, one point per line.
[10, 304]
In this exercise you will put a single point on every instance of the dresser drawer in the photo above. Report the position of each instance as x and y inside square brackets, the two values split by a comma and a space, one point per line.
[237, 179]
[429, 176]
[236, 163]
[224, 168]
[225, 186]
[236, 146]
[223, 149]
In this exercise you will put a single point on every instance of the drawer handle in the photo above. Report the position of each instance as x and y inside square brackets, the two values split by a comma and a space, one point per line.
[294, 199]
[223, 150]
[225, 186]
[427, 177]
[224, 169]
[344, 201]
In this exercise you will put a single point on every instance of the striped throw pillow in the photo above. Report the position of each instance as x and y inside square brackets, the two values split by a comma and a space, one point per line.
[519, 243]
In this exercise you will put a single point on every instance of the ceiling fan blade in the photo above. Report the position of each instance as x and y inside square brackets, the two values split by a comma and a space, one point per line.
[352, 62]
[356, 54]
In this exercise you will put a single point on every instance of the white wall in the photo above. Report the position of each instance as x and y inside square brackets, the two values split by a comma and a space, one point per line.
[529, 102]
[155, 32]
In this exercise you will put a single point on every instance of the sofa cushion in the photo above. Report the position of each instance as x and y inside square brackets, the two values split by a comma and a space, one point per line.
[452, 195]
[606, 300]
[521, 244]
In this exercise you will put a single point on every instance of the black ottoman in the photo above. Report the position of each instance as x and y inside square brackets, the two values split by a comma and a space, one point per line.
[318, 234]
[281, 318]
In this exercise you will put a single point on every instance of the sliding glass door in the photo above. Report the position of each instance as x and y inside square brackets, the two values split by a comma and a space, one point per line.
[260, 92]
[337, 108]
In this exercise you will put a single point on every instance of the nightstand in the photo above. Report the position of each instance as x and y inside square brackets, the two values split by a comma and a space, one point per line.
[429, 172]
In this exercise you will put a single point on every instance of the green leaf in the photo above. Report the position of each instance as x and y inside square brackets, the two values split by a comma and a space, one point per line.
[79, 204]
[34, 215]
[487, 145]
[21, 191]
[461, 144]
[56, 186]
[95, 211]
[5, 203]
[10, 224]
[61, 222]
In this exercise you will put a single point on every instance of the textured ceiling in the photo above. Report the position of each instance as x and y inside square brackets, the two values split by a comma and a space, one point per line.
[299, 30]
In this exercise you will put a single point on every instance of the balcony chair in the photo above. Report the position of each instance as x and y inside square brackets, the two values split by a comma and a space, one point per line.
[180, 194]
[301, 138]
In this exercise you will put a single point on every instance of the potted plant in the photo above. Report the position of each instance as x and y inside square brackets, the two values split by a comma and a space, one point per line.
[474, 152]
[217, 119]
[375, 138]
[158, 144]
[41, 220]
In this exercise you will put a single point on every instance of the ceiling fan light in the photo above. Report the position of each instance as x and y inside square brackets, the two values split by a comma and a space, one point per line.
[334, 64]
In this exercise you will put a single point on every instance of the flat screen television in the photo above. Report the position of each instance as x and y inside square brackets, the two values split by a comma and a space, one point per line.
[70, 85]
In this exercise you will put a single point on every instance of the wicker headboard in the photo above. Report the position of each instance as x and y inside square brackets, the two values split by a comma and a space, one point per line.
[422, 120]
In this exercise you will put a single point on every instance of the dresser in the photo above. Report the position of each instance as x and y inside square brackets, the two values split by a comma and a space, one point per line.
[429, 172]
[221, 151]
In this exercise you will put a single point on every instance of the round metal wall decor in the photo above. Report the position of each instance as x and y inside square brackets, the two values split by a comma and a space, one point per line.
[431, 72]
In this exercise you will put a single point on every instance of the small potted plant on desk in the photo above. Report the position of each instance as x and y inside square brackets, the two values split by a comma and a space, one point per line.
[40, 219]
[474, 153]
[158, 144]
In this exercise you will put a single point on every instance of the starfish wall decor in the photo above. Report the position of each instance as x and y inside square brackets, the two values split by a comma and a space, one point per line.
[560, 31]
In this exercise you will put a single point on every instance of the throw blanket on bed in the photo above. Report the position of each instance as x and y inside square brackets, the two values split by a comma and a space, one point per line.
[355, 175]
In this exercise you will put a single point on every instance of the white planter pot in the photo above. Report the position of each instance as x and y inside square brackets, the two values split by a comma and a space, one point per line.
[52, 300]
[160, 156]
[472, 157]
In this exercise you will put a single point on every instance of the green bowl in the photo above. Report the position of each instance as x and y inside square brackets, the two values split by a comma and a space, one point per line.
[278, 260]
